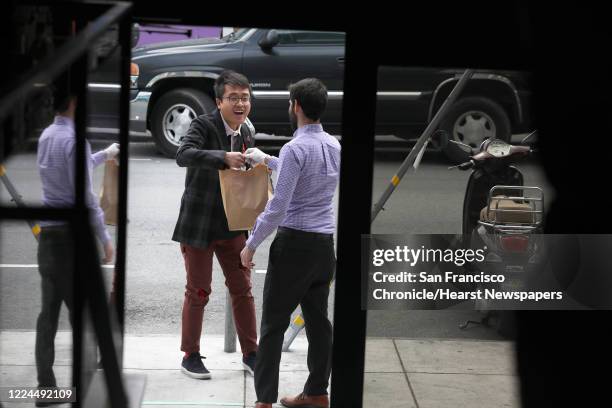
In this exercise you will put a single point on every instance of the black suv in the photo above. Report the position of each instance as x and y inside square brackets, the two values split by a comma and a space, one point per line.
[172, 83]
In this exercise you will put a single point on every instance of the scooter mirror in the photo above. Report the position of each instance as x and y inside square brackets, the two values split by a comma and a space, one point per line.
[532, 135]
[463, 146]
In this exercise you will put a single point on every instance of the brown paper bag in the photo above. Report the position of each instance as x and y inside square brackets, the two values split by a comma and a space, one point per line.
[245, 195]
[109, 196]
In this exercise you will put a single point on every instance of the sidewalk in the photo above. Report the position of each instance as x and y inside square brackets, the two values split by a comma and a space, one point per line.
[423, 373]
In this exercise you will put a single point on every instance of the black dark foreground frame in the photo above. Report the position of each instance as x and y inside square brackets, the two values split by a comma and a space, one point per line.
[564, 357]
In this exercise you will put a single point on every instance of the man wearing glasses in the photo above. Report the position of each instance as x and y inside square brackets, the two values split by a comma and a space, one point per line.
[215, 141]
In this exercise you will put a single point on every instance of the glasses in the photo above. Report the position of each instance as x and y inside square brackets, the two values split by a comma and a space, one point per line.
[234, 99]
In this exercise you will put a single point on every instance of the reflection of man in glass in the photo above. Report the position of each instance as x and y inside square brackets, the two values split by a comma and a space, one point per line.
[302, 260]
[56, 164]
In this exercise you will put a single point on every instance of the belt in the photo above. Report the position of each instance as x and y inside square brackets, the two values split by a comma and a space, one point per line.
[304, 234]
[55, 229]
[59, 227]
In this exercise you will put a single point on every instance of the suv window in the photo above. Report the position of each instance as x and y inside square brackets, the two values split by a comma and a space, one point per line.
[289, 37]
[236, 36]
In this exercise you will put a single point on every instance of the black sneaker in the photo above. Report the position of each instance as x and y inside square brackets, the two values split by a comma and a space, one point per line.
[194, 368]
[248, 362]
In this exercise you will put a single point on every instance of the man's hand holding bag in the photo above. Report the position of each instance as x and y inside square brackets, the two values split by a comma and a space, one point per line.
[245, 195]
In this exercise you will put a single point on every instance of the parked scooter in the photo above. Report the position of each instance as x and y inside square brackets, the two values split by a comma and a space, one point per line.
[503, 216]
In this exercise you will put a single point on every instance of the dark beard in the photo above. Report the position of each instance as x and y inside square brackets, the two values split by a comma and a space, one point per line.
[293, 121]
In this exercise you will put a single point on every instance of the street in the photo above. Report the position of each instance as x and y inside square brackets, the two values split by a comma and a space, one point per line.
[428, 201]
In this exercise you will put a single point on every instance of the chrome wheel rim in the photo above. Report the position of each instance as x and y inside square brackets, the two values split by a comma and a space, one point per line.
[473, 127]
[176, 122]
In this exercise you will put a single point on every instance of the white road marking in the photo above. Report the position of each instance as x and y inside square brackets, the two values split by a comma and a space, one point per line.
[36, 266]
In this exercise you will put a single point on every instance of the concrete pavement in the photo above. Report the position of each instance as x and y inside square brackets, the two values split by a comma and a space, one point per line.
[406, 373]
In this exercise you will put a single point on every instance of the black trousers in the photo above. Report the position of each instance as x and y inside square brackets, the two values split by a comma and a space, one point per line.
[56, 267]
[300, 268]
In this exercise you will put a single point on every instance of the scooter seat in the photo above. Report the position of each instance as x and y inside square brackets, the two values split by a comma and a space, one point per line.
[519, 214]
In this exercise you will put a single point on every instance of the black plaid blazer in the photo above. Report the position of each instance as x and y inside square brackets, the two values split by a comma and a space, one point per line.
[202, 217]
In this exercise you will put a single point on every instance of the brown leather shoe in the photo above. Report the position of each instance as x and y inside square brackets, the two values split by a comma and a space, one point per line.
[306, 401]
[262, 405]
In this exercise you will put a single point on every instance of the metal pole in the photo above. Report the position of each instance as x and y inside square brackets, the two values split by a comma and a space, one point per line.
[18, 199]
[431, 127]
[296, 325]
[78, 85]
[125, 31]
[230, 328]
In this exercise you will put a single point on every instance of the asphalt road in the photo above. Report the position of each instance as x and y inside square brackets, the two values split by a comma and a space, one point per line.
[428, 201]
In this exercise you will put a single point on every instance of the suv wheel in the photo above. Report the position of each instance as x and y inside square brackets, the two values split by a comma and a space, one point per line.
[470, 121]
[172, 115]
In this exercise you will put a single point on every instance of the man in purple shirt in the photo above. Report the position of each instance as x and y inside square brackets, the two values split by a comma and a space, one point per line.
[56, 164]
[302, 262]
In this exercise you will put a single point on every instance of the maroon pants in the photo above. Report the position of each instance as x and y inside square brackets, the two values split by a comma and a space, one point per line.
[198, 264]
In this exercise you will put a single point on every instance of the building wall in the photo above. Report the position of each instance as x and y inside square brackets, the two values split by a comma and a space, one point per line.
[156, 33]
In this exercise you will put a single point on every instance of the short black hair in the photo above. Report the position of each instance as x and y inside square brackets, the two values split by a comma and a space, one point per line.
[311, 94]
[62, 93]
[231, 78]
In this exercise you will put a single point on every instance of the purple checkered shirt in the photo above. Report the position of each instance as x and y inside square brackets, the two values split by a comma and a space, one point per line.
[56, 155]
[308, 170]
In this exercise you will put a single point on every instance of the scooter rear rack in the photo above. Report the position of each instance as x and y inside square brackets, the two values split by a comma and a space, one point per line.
[535, 201]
